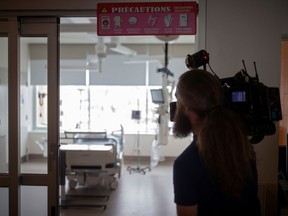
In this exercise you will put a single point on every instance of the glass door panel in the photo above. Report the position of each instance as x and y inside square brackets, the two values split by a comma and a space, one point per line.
[39, 116]
[4, 158]
[4, 197]
[34, 103]
[4, 105]
[37, 202]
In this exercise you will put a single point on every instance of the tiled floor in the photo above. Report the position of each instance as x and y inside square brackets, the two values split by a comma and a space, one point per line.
[137, 194]
[149, 194]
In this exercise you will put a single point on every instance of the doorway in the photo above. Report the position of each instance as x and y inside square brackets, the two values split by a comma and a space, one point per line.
[17, 183]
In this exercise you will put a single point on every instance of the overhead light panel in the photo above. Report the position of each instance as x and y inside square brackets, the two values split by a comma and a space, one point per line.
[123, 50]
[116, 46]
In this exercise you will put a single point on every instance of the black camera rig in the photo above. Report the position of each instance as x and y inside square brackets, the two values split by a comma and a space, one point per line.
[258, 104]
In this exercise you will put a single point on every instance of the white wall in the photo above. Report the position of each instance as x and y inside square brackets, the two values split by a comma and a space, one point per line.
[249, 30]
[239, 30]
[173, 149]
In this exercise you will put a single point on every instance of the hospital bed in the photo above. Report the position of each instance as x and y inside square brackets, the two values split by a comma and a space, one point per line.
[91, 158]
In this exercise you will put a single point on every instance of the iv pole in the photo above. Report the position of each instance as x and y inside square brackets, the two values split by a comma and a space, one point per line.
[163, 109]
[137, 169]
[163, 117]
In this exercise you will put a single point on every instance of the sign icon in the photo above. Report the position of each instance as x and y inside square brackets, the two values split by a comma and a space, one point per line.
[168, 20]
[152, 19]
[183, 20]
[105, 22]
[132, 20]
[117, 22]
[104, 10]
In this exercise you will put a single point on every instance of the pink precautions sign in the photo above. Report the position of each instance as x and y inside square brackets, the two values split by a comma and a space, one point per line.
[150, 18]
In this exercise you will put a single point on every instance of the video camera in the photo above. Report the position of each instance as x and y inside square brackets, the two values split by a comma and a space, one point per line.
[258, 104]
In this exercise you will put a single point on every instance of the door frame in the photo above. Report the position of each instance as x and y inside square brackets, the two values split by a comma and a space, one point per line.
[14, 28]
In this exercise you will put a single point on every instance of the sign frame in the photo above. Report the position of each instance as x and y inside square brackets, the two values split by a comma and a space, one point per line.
[149, 18]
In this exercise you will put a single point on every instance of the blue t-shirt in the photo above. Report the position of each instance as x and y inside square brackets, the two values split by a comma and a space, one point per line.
[192, 186]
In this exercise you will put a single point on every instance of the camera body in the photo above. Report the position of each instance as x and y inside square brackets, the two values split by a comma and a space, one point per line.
[257, 104]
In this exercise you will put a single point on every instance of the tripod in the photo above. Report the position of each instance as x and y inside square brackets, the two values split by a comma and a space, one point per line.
[137, 169]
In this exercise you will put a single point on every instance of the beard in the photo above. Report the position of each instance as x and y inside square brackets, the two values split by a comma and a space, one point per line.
[182, 126]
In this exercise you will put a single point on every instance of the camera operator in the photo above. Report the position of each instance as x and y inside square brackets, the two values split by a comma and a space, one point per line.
[216, 174]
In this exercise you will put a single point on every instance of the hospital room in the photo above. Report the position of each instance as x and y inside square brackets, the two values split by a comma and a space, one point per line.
[97, 137]
[114, 91]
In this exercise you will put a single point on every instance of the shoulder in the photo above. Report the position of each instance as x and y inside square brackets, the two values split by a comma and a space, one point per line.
[187, 174]
[189, 159]
[189, 155]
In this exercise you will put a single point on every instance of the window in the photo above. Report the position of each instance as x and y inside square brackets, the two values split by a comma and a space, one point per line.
[41, 106]
[102, 107]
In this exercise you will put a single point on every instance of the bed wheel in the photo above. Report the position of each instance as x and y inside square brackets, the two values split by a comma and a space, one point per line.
[114, 185]
[73, 183]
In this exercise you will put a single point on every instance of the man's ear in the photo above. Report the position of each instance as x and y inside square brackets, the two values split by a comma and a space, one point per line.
[187, 109]
[191, 114]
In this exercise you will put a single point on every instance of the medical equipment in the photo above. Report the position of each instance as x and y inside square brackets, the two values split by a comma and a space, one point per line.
[162, 98]
[136, 115]
[90, 158]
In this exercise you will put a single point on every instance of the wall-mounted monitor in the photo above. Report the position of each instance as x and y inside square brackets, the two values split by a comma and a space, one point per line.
[157, 96]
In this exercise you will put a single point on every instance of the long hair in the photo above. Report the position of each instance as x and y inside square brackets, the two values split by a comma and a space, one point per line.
[222, 140]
